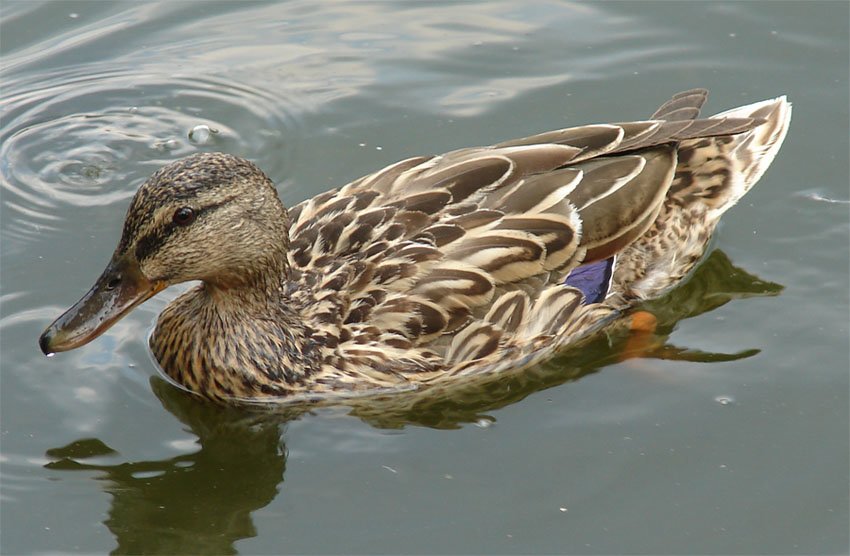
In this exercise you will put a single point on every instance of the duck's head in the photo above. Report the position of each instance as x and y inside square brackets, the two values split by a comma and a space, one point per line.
[211, 217]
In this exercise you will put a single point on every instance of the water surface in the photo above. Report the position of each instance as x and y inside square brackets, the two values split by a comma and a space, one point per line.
[731, 438]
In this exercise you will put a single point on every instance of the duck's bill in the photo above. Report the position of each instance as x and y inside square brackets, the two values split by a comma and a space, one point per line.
[118, 290]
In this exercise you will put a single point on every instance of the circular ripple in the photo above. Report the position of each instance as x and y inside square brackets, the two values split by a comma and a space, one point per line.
[90, 139]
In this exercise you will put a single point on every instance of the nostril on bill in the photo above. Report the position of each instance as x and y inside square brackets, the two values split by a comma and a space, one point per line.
[113, 283]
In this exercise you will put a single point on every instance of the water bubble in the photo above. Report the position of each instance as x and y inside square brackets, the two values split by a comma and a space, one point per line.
[51, 354]
[725, 400]
[202, 134]
[73, 15]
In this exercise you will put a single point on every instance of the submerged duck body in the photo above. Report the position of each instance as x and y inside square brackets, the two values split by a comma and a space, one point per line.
[430, 270]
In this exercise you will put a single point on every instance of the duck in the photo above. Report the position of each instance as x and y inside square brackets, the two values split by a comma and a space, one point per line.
[429, 271]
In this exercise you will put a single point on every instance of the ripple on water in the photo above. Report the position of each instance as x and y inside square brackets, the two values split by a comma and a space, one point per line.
[81, 139]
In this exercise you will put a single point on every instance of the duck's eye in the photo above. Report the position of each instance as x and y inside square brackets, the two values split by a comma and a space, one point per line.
[183, 216]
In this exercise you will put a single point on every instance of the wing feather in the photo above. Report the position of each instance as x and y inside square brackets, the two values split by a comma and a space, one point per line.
[447, 259]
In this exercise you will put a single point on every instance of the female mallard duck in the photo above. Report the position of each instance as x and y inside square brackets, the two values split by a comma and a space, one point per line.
[430, 270]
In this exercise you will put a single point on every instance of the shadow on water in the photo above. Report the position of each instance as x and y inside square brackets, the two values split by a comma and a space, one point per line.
[202, 502]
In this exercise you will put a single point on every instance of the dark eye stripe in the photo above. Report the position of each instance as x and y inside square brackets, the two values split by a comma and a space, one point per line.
[148, 244]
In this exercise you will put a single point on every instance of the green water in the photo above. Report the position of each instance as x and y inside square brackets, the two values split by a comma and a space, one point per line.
[732, 439]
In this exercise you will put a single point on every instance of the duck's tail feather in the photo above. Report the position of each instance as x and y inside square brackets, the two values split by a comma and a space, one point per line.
[712, 174]
[718, 171]
[683, 106]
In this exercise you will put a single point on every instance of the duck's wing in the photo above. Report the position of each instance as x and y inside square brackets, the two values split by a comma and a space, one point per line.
[466, 252]
[522, 176]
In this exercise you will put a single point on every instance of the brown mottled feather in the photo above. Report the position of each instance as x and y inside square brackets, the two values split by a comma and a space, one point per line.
[440, 237]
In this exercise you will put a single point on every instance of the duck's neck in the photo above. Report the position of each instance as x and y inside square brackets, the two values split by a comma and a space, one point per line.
[241, 339]
[260, 284]
[260, 292]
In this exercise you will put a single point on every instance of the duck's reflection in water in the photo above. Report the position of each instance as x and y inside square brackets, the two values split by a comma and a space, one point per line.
[196, 503]
[202, 502]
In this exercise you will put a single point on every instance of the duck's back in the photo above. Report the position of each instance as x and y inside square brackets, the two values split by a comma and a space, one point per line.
[457, 262]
